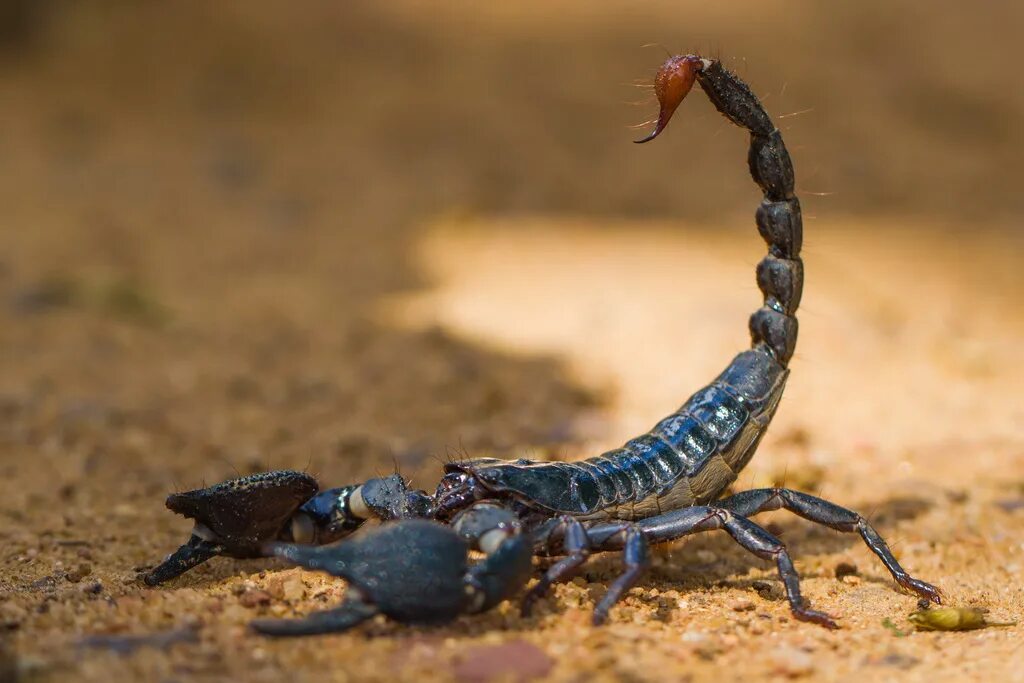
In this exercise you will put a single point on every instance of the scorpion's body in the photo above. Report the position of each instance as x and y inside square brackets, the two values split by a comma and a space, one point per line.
[658, 487]
[694, 454]
[687, 459]
[666, 483]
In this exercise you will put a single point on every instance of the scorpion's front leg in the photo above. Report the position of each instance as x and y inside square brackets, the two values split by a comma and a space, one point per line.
[748, 503]
[576, 541]
[575, 544]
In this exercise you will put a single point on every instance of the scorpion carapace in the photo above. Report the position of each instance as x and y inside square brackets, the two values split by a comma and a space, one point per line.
[658, 487]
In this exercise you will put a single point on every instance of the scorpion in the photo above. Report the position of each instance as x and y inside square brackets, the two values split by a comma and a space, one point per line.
[660, 486]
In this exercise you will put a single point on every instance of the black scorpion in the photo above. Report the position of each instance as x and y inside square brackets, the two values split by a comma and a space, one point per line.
[658, 487]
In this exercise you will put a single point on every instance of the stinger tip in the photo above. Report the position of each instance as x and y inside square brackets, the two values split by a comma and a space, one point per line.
[673, 82]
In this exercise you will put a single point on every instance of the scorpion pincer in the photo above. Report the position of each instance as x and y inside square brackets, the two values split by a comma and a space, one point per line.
[414, 570]
[660, 486]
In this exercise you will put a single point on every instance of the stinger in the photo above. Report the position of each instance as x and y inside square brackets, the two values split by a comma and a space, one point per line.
[673, 83]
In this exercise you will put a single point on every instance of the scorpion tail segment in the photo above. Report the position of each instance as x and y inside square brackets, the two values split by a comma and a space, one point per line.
[734, 99]
[240, 514]
[351, 613]
[780, 275]
[672, 84]
[190, 555]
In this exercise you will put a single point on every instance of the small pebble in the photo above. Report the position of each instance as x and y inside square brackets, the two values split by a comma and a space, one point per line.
[78, 573]
[255, 598]
[516, 660]
[708, 651]
[275, 586]
[894, 659]
[293, 588]
[11, 615]
[792, 662]
[741, 605]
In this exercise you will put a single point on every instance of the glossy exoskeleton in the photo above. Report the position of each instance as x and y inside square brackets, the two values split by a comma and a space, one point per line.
[660, 486]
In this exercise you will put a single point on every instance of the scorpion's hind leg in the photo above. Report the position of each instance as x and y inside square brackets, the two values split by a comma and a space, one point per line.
[831, 515]
[766, 546]
[352, 612]
[678, 523]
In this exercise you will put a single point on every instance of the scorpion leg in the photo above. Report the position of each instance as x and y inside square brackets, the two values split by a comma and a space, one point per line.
[352, 612]
[678, 523]
[831, 515]
[576, 545]
[766, 546]
[636, 558]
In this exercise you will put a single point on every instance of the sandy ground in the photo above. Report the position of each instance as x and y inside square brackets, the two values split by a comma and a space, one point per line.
[901, 404]
[221, 255]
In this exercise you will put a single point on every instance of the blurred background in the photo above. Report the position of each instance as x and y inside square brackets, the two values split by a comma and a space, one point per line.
[252, 236]
[329, 236]
[345, 235]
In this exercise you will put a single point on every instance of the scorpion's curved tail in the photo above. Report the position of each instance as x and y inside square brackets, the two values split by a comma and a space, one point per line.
[692, 455]
[704, 445]
[780, 275]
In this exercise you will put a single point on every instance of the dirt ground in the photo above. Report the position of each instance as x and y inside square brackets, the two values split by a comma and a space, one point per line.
[210, 268]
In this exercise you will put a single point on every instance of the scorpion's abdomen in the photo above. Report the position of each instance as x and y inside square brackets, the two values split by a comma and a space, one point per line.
[696, 452]
[688, 458]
